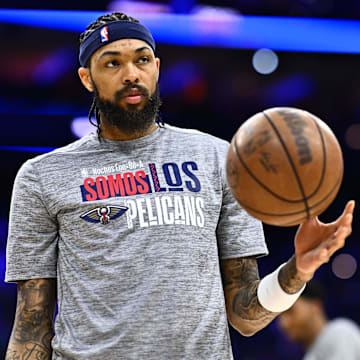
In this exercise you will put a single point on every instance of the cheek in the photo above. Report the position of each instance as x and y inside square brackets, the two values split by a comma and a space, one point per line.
[153, 79]
[106, 91]
[153, 85]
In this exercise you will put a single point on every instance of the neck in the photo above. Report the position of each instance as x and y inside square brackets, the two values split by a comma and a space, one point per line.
[112, 132]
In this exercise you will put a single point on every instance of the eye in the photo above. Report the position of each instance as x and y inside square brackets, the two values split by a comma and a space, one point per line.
[112, 63]
[143, 60]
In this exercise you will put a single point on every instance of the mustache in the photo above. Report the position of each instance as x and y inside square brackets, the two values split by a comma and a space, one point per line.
[126, 89]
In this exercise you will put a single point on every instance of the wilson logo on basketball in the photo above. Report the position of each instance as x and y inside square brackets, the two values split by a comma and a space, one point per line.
[297, 126]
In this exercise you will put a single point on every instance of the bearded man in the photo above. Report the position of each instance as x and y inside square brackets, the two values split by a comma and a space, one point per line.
[134, 230]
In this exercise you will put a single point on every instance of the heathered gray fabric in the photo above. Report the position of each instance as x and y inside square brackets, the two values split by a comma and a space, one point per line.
[145, 285]
[339, 340]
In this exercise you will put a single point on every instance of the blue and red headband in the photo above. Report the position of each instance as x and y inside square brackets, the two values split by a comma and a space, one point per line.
[110, 32]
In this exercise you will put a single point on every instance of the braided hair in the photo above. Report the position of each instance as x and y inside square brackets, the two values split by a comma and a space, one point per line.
[102, 20]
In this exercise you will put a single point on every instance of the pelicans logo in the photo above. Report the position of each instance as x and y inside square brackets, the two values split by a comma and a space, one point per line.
[104, 214]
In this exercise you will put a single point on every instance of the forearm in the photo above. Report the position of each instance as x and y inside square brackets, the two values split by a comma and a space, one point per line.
[33, 327]
[32, 349]
[291, 281]
[245, 312]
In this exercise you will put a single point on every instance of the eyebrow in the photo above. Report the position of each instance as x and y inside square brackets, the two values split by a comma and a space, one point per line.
[142, 49]
[119, 53]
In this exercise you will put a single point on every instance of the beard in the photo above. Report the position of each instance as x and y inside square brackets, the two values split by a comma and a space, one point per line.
[130, 121]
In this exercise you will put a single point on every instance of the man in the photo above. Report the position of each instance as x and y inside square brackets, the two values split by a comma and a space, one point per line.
[131, 227]
[306, 322]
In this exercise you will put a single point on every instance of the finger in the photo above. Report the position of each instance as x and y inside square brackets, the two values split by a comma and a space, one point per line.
[344, 222]
[349, 209]
[337, 240]
[345, 227]
[313, 260]
[324, 255]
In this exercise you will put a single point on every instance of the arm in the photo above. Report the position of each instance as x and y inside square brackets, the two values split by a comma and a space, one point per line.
[240, 281]
[33, 327]
[315, 242]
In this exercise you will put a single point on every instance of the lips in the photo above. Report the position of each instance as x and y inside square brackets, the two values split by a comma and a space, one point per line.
[133, 99]
[134, 96]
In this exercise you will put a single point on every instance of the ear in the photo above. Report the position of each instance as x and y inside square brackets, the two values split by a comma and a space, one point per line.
[157, 62]
[84, 74]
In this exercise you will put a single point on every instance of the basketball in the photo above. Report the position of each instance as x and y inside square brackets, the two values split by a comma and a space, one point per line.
[284, 166]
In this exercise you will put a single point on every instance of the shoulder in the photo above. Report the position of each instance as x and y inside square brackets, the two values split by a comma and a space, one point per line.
[343, 326]
[197, 137]
[85, 143]
[51, 157]
[338, 334]
[340, 339]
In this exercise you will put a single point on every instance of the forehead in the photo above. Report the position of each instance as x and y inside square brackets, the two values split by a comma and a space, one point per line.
[124, 46]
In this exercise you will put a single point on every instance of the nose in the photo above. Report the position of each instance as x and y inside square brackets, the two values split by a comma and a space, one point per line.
[130, 75]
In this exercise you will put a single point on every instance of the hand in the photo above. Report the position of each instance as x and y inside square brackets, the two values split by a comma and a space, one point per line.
[316, 242]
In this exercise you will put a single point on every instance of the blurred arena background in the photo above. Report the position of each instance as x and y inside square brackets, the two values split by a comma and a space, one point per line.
[222, 61]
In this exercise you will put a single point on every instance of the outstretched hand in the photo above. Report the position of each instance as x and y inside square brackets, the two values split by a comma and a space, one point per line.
[316, 242]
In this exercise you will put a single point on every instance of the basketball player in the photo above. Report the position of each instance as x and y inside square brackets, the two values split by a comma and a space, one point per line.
[306, 322]
[130, 229]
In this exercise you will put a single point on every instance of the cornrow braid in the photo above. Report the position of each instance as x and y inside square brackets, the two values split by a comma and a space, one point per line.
[105, 19]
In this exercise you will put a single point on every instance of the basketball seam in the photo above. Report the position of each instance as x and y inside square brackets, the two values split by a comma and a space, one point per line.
[291, 163]
[324, 156]
[272, 192]
[295, 212]
[258, 181]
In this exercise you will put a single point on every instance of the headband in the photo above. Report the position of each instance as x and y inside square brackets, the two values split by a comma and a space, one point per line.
[110, 32]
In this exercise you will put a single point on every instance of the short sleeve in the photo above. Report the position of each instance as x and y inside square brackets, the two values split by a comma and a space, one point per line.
[31, 250]
[239, 234]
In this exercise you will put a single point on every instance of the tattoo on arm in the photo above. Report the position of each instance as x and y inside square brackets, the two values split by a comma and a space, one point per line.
[240, 281]
[33, 327]
[288, 278]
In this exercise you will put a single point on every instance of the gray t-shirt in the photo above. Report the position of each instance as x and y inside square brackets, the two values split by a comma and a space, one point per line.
[339, 340]
[133, 232]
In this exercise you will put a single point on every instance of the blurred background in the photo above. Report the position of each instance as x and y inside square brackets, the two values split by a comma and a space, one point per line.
[222, 61]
